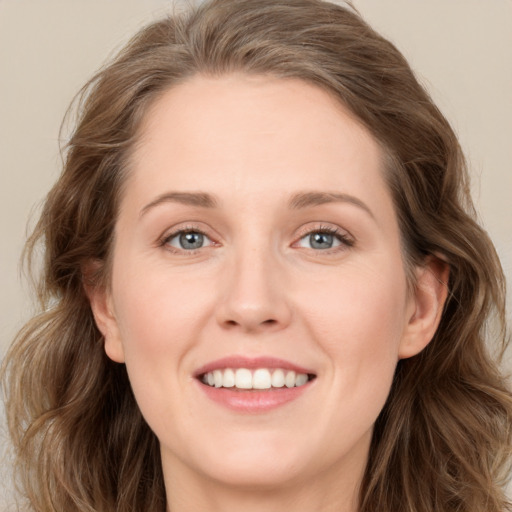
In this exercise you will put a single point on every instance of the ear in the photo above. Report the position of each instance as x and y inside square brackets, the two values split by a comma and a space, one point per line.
[102, 309]
[426, 306]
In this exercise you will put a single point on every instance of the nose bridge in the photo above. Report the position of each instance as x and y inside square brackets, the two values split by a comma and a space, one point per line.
[254, 295]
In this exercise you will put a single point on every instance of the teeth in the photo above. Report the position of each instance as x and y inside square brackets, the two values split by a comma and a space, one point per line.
[217, 378]
[289, 380]
[301, 379]
[243, 379]
[278, 379]
[262, 378]
[228, 380]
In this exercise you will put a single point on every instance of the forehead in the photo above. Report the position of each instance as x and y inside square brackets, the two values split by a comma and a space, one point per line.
[250, 131]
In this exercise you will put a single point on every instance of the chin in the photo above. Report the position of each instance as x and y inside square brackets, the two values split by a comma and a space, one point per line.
[259, 460]
[268, 472]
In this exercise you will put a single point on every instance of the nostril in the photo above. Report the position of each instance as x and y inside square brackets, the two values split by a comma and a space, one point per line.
[269, 322]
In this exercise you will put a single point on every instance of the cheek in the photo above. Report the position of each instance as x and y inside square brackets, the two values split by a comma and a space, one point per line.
[159, 318]
[159, 311]
[359, 307]
[358, 320]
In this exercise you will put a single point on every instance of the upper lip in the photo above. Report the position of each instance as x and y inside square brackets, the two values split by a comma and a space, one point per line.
[238, 361]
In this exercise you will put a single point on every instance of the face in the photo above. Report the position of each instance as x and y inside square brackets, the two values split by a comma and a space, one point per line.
[258, 294]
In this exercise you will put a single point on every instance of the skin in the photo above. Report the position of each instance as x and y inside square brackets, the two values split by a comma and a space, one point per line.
[257, 287]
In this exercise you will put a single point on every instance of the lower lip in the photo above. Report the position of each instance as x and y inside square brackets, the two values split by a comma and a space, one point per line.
[253, 401]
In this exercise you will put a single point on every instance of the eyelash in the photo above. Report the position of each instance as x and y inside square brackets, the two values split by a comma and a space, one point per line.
[164, 242]
[345, 240]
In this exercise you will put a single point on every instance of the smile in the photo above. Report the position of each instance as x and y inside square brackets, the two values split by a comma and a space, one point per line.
[260, 378]
[253, 384]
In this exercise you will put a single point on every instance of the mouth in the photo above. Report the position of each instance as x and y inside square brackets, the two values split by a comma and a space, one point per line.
[253, 385]
[245, 379]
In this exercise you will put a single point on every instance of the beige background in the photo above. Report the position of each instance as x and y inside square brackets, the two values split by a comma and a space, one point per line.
[461, 50]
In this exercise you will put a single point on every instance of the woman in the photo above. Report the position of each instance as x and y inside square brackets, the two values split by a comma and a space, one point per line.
[263, 284]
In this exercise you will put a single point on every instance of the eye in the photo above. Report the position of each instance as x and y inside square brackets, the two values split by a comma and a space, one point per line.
[324, 239]
[188, 240]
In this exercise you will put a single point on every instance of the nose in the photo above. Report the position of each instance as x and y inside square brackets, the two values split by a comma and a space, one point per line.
[254, 294]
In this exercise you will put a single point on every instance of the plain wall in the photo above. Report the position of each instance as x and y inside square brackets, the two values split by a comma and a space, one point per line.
[460, 49]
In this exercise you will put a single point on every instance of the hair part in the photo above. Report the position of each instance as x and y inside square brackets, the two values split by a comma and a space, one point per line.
[442, 442]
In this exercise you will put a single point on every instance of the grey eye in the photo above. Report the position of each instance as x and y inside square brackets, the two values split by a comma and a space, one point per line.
[188, 240]
[191, 240]
[321, 240]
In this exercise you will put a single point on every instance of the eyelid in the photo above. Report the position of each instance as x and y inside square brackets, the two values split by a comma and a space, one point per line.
[173, 232]
[346, 239]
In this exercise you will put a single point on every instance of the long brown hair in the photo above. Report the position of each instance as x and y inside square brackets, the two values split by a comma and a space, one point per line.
[442, 442]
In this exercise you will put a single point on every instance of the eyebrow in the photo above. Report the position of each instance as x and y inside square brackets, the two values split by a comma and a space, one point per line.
[200, 199]
[308, 199]
[297, 201]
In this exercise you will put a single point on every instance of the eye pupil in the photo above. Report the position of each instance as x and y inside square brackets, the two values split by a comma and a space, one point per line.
[321, 240]
[191, 240]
